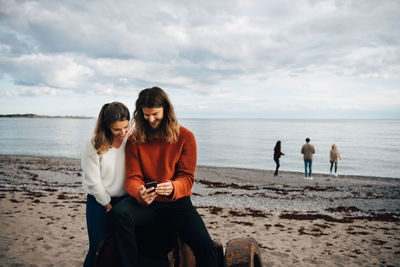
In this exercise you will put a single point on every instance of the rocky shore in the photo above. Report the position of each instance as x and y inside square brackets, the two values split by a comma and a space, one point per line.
[343, 221]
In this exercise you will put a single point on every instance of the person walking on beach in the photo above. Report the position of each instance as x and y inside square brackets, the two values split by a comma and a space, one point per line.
[308, 150]
[160, 150]
[334, 157]
[103, 166]
[277, 154]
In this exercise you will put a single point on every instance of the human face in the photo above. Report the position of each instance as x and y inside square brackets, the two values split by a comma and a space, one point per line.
[154, 116]
[119, 129]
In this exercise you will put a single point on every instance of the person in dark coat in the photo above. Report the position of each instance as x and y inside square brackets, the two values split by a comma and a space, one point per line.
[277, 154]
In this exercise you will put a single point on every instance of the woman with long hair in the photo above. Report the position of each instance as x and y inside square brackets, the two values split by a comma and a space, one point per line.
[167, 129]
[277, 154]
[103, 166]
[334, 157]
[160, 159]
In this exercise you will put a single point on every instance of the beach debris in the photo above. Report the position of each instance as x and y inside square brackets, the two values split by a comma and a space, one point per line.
[243, 252]
[239, 252]
[313, 232]
[344, 209]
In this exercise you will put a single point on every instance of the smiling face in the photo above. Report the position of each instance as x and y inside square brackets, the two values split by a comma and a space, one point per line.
[119, 129]
[154, 116]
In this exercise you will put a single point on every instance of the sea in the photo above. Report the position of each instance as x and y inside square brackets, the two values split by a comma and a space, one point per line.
[366, 147]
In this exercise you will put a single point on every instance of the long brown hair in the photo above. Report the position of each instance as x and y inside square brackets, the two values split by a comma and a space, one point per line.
[154, 97]
[109, 113]
[278, 146]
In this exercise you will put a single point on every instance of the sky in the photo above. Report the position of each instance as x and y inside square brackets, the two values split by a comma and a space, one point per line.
[215, 59]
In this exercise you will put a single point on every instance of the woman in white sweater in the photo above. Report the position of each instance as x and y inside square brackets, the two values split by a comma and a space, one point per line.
[103, 166]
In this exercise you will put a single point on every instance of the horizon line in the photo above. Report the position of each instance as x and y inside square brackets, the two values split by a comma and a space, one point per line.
[32, 115]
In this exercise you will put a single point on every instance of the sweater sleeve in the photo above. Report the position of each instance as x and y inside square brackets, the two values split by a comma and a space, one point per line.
[133, 172]
[185, 168]
[92, 182]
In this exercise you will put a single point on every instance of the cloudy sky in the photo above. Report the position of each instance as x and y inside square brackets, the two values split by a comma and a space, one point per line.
[249, 59]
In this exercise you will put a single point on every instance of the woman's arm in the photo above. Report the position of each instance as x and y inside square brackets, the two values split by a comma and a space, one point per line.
[91, 181]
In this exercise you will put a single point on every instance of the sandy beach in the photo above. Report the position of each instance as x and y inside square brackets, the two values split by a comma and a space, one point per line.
[329, 221]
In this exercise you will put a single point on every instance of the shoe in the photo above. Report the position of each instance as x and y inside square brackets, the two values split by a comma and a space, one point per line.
[310, 177]
[331, 173]
[336, 174]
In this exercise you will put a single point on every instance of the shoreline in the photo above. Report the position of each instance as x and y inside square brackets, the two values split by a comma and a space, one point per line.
[36, 116]
[344, 221]
[228, 187]
[352, 176]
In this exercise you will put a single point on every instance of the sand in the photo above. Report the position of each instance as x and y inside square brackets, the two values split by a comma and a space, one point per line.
[344, 221]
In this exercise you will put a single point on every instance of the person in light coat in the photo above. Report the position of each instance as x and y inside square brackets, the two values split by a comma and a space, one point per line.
[334, 157]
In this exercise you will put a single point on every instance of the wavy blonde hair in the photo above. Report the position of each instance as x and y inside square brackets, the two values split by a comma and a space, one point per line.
[109, 113]
[154, 97]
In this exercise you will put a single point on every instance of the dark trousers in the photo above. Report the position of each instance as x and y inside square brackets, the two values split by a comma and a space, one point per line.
[277, 165]
[335, 166]
[179, 214]
[98, 226]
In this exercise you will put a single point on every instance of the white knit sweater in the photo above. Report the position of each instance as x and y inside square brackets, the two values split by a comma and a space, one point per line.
[103, 175]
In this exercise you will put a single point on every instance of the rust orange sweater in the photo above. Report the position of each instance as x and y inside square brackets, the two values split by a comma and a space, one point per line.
[161, 162]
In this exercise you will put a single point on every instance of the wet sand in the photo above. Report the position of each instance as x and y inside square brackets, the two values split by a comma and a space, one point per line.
[344, 221]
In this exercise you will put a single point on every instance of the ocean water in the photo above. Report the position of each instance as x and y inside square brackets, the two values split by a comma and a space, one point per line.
[367, 147]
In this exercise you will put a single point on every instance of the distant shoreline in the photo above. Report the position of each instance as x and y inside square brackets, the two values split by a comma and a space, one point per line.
[35, 116]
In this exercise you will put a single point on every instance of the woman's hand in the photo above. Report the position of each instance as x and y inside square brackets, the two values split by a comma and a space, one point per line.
[108, 207]
[148, 195]
[165, 189]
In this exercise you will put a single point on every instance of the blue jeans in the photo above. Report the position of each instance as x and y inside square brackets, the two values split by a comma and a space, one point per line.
[277, 165]
[309, 163]
[98, 225]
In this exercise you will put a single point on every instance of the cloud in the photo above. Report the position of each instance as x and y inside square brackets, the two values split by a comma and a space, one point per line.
[239, 52]
[31, 91]
[59, 71]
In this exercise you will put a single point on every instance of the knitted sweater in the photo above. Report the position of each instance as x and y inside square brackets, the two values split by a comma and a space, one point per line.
[162, 162]
[103, 175]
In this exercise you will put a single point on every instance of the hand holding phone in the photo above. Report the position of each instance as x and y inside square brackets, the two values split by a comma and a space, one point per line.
[150, 185]
[148, 192]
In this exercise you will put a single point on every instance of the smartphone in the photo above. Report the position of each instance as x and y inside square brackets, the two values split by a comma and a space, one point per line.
[151, 184]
